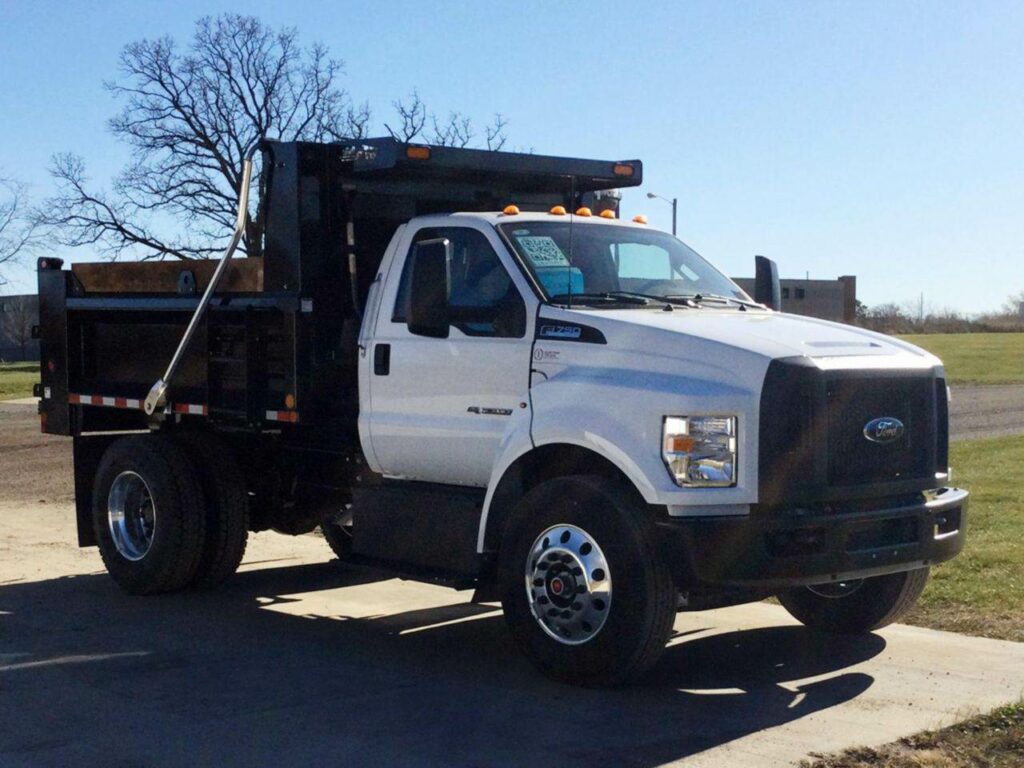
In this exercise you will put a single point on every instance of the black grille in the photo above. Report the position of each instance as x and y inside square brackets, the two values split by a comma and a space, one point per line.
[812, 447]
[852, 403]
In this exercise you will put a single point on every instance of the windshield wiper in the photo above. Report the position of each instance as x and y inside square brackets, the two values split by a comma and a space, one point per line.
[697, 298]
[609, 297]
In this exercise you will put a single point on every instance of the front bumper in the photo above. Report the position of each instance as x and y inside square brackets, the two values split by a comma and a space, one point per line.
[780, 550]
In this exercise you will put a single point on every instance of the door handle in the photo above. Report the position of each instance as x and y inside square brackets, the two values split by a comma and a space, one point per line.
[382, 359]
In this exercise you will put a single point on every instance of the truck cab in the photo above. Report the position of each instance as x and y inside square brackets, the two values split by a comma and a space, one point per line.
[465, 367]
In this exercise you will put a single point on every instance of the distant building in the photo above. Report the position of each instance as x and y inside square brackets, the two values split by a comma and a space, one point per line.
[827, 299]
[17, 316]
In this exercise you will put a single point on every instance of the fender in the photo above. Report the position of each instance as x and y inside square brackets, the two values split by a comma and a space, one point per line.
[617, 415]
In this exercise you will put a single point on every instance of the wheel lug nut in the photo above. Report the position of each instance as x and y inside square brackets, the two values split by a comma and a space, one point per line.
[543, 600]
[538, 582]
[566, 614]
[553, 612]
[577, 571]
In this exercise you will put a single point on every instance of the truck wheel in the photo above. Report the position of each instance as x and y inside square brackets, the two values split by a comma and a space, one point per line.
[585, 593]
[148, 515]
[227, 508]
[854, 607]
[338, 535]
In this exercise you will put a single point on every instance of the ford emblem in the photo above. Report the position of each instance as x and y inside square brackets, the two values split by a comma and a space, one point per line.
[883, 430]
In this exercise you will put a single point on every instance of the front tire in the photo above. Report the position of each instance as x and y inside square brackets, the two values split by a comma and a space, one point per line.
[856, 607]
[148, 515]
[585, 592]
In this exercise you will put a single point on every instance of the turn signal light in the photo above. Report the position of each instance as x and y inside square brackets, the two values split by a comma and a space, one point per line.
[289, 401]
[511, 210]
[622, 169]
[417, 153]
[558, 210]
[584, 211]
[607, 214]
[640, 219]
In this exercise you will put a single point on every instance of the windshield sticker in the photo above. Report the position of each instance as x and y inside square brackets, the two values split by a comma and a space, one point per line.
[543, 251]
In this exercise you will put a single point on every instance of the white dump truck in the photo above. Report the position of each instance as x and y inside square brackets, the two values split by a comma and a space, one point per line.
[466, 368]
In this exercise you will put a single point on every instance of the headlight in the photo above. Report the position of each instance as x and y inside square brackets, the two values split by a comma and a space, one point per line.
[700, 451]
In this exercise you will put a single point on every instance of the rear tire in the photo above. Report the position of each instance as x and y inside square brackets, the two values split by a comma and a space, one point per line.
[227, 508]
[588, 533]
[148, 515]
[866, 606]
[338, 536]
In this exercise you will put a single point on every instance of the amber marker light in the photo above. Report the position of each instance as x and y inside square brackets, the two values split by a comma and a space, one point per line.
[584, 211]
[511, 210]
[640, 219]
[607, 214]
[558, 210]
[289, 401]
[417, 153]
[623, 169]
[679, 443]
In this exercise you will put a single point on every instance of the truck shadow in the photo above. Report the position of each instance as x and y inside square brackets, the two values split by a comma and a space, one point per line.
[267, 672]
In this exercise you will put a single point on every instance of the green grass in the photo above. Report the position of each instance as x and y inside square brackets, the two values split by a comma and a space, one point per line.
[995, 740]
[981, 592]
[977, 358]
[16, 379]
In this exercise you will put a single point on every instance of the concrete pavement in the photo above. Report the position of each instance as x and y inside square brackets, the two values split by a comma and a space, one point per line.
[300, 661]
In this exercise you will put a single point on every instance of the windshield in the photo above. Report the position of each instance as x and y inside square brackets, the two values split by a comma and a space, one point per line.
[610, 260]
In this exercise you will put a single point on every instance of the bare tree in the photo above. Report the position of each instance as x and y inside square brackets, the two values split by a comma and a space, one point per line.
[190, 117]
[456, 131]
[17, 231]
[18, 318]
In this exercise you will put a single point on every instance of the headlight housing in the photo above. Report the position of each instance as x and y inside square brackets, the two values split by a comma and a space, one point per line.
[700, 451]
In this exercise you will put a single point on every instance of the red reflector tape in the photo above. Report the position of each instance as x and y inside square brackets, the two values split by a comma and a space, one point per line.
[190, 409]
[109, 402]
[292, 417]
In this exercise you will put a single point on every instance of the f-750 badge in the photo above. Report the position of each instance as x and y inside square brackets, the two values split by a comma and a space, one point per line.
[561, 331]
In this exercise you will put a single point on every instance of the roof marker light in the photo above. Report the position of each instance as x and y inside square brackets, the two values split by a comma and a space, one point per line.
[640, 219]
[623, 169]
[584, 211]
[511, 210]
[558, 210]
[417, 153]
[607, 213]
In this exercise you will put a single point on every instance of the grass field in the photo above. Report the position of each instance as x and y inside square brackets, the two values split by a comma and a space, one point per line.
[995, 740]
[16, 379]
[977, 358]
[981, 592]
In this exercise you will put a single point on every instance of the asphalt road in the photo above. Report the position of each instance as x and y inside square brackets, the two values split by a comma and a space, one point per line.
[986, 411]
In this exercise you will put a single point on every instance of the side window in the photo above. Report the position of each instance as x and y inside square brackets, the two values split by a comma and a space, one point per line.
[484, 301]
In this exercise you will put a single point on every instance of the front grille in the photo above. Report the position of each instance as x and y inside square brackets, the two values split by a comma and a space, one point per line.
[852, 403]
[812, 447]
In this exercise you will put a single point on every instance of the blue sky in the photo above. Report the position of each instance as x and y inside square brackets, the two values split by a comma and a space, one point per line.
[884, 140]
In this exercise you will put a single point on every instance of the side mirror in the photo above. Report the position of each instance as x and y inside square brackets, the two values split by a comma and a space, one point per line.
[429, 288]
[767, 289]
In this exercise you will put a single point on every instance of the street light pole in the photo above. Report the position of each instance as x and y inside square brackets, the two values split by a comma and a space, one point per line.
[674, 202]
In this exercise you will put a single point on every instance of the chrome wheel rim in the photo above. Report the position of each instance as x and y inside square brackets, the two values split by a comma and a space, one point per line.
[131, 515]
[568, 584]
[837, 589]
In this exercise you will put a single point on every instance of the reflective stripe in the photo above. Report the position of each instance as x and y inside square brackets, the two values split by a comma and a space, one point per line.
[291, 417]
[191, 409]
[110, 402]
